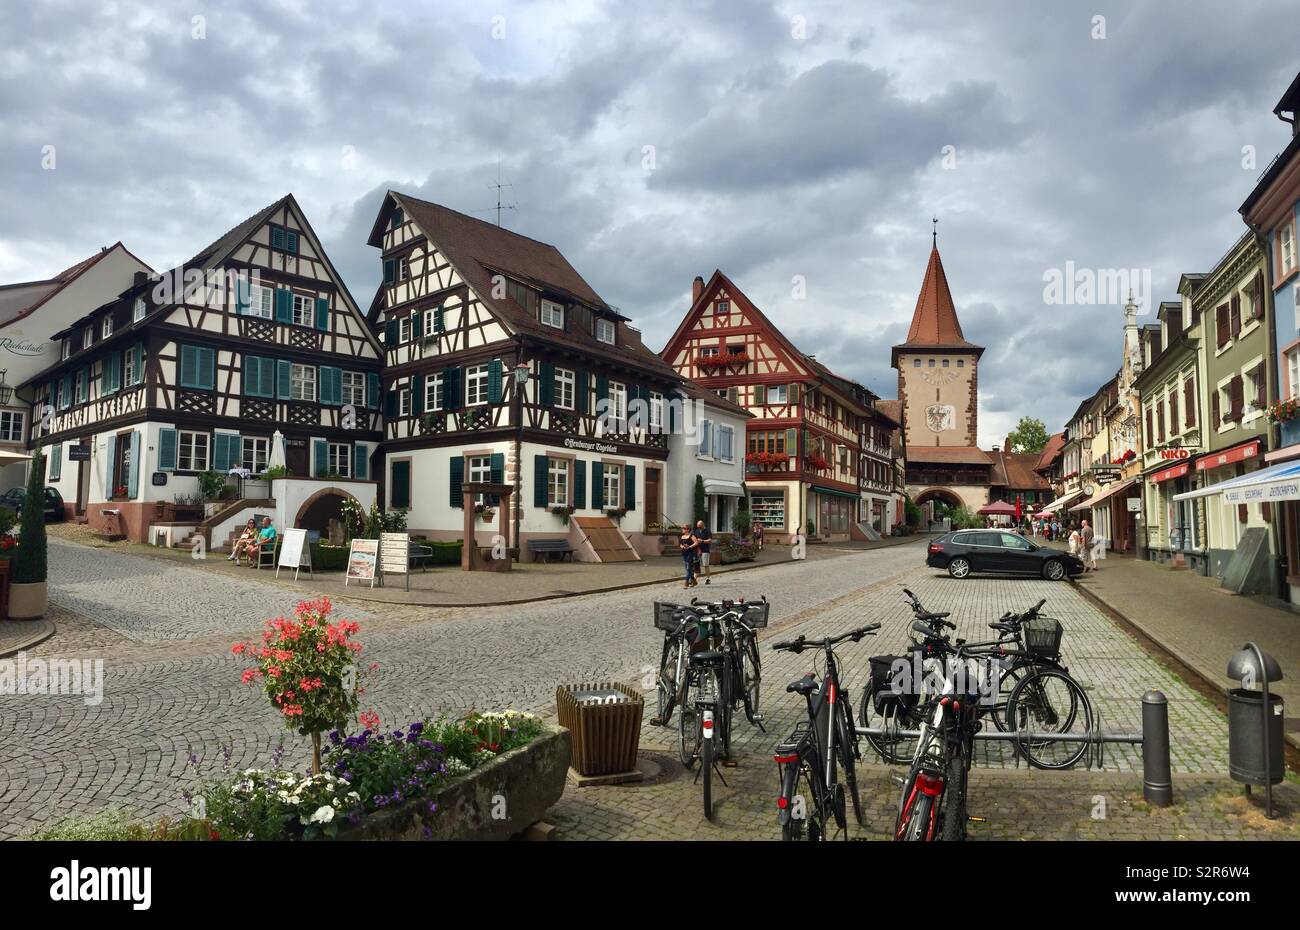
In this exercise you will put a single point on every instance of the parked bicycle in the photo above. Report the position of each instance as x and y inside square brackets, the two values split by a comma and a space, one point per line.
[807, 761]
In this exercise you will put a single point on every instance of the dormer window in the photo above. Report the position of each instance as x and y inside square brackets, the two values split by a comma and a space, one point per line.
[67, 349]
[605, 331]
[286, 240]
[397, 219]
[723, 308]
[137, 313]
[108, 327]
[552, 314]
[87, 337]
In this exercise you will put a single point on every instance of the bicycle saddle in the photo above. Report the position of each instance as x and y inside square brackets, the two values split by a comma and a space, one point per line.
[706, 656]
[1004, 627]
[805, 685]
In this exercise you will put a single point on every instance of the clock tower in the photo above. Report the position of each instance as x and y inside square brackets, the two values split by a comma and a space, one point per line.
[938, 392]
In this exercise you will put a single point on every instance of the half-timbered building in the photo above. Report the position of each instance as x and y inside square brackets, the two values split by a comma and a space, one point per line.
[500, 361]
[198, 369]
[804, 443]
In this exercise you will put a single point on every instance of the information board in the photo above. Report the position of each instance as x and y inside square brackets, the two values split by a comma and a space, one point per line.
[294, 552]
[395, 556]
[363, 556]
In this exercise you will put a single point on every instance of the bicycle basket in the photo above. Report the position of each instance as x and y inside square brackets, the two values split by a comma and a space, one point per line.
[666, 616]
[1043, 637]
[755, 615]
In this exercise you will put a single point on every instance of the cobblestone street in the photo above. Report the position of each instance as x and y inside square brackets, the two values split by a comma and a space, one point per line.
[165, 697]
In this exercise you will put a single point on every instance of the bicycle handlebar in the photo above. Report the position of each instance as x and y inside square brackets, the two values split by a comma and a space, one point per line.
[801, 643]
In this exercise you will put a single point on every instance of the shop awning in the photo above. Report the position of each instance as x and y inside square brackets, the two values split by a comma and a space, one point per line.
[1176, 471]
[834, 492]
[723, 486]
[1113, 488]
[1247, 450]
[1060, 502]
[1279, 482]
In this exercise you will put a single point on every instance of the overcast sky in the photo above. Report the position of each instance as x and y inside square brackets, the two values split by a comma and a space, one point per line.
[652, 142]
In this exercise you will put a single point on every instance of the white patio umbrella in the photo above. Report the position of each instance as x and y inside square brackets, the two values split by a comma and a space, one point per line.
[276, 455]
[13, 458]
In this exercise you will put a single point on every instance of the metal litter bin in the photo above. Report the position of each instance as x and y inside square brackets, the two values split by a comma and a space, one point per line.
[604, 721]
[1255, 719]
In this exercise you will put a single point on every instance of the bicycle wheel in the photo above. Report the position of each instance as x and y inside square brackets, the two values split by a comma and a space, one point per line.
[954, 800]
[895, 750]
[1049, 701]
[914, 824]
[722, 712]
[848, 750]
[808, 818]
[667, 685]
[706, 770]
[688, 729]
[751, 678]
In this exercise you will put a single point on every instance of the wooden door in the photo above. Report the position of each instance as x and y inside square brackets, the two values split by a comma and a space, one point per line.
[83, 483]
[652, 496]
[297, 459]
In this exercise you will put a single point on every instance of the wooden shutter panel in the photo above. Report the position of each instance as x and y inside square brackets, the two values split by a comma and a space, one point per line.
[133, 476]
[390, 404]
[283, 305]
[220, 451]
[583, 391]
[1235, 314]
[494, 381]
[320, 453]
[760, 395]
[1215, 419]
[290, 241]
[1257, 297]
[1261, 386]
[1236, 392]
[55, 470]
[792, 394]
[322, 313]
[1189, 400]
[390, 334]
[207, 368]
[189, 366]
[457, 479]
[417, 394]
[602, 389]
[243, 295]
[540, 465]
[390, 271]
[597, 485]
[497, 473]
[579, 485]
[1221, 324]
[372, 389]
[283, 372]
[629, 487]
[791, 447]
[546, 385]
[400, 495]
[167, 449]
[361, 461]
[1151, 435]
[451, 396]
[1161, 413]
[439, 319]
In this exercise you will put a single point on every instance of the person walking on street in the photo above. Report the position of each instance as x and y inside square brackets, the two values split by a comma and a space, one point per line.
[1074, 539]
[688, 545]
[1086, 539]
[704, 538]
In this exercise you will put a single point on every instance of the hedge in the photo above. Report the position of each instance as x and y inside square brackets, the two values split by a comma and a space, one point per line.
[327, 558]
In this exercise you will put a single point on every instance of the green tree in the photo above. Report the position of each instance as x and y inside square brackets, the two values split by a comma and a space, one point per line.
[701, 502]
[29, 559]
[1030, 435]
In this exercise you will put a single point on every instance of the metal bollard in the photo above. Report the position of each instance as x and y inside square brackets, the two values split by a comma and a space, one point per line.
[1157, 782]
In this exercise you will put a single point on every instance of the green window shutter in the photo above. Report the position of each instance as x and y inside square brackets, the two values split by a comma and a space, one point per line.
[580, 485]
[338, 385]
[546, 385]
[283, 372]
[133, 476]
[597, 485]
[497, 473]
[792, 395]
[602, 390]
[760, 394]
[266, 377]
[325, 377]
[189, 366]
[112, 373]
[277, 237]
[457, 479]
[390, 404]
[451, 396]
[390, 334]
[390, 271]
[540, 465]
[583, 391]
[55, 470]
[322, 313]
[243, 295]
[629, 487]
[417, 394]
[439, 319]
[225, 451]
[207, 369]
[251, 375]
[283, 305]
[400, 495]
[361, 461]
[66, 392]
[372, 389]
[320, 453]
[290, 241]
[791, 449]
[494, 381]
[167, 449]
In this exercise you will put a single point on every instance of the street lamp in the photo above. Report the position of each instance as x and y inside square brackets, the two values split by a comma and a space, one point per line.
[6, 392]
[522, 373]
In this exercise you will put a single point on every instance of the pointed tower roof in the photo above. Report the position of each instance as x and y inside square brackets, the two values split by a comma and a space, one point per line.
[934, 322]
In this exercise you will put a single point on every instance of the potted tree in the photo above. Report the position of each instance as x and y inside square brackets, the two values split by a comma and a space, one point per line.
[27, 594]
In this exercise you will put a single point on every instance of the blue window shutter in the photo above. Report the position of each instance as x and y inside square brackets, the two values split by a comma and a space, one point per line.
[133, 476]
[546, 385]
[167, 449]
[110, 447]
[372, 389]
[207, 368]
[541, 466]
[243, 295]
[497, 475]
[494, 381]
[439, 319]
[452, 398]
[417, 394]
[629, 487]
[322, 313]
[55, 470]
[283, 370]
[390, 334]
[325, 384]
[283, 305]
[220, 451]
[65, 393]
[602, 389]
[108, 373]
[290, 241]
[597, 485]
[189, 366]
[320, 452]
[706, 434]
[390, 271]
[457, 479]
[580, 485]
[361, 461]
[338, 385]
[277, 237]
[583, 390]
[251, 375]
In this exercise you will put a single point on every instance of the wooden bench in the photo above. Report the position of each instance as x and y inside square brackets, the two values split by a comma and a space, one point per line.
[550, 547]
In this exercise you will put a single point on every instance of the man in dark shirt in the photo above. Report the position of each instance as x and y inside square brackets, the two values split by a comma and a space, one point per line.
[704, 536]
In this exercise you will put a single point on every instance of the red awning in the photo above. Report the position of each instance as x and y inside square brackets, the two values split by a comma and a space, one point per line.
[1176, 472]
[1228, 456]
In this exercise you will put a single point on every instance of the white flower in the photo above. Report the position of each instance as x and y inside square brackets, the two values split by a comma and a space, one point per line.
[324, 814]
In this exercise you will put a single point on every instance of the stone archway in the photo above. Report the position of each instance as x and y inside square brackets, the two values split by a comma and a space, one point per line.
[323, 506]
[927, 498]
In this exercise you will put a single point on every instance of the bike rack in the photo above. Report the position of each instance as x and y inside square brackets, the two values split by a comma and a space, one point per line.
[1157, 787]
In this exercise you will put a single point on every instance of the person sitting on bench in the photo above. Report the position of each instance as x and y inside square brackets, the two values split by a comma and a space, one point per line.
[246, 539]
[265, 542]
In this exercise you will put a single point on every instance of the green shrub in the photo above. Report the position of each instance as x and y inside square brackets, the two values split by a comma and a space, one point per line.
[212, 484]
[701, 500]
[327, 558]
[737, 550]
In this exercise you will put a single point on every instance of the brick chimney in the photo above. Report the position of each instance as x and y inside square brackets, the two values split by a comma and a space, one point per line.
[697, 288]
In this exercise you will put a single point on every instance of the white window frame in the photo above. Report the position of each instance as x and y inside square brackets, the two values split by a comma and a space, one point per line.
[565, 388]
[617, 411]
[433, 392]
[404, 402]
[301, 377]
[261, 302]
[138, 310]
[128, 368]
[106, 328]
[403, 268]
[557, 482]
[778, 394]
[476, 386]
[1291, 358]
[254, 453]
[603, 327]
[555, 312]
[730, 446]
[354, 388]
[189, 461]
[13, 430]
[338, 458]
[611, 477]
[1286, 248]
[404, 329]
[304, 310]
[656, 412]
[67, 349]
[87, 337]
[478, 470]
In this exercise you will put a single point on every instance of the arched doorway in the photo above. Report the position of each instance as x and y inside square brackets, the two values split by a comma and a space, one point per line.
[928, 498]
[318, 510]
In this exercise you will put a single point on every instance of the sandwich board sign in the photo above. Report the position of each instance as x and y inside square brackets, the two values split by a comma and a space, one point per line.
[363, 555]
[294, 553]
[395, 556]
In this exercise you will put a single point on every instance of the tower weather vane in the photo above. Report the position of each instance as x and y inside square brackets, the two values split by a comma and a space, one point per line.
[934, 233]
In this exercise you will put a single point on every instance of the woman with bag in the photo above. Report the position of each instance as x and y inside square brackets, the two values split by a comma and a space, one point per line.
[688, 545]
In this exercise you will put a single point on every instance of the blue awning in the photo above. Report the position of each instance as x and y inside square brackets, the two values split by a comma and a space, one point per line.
[1275, 483]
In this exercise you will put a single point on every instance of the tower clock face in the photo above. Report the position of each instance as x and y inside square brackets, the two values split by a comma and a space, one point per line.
[940, 417]
[939, 375]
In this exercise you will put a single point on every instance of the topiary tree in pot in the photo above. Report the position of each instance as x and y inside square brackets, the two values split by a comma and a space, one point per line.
[27, 575]
[701, 500]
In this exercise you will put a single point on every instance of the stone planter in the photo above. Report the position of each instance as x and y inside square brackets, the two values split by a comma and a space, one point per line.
[519, 786]
[27, 601]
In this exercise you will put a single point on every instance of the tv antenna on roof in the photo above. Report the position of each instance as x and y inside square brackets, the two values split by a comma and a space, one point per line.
[499, 187]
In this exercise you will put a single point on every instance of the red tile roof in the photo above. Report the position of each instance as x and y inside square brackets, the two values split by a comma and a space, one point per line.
[948, 455]
[1015, 470]
[934, 322]
[1055, 443]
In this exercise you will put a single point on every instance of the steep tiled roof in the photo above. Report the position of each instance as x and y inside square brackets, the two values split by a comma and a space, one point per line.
[1055, 443]
[934, 322]
[479, 250]
[948, 455]
[1016, 470]
[892, 409]
[217, 251]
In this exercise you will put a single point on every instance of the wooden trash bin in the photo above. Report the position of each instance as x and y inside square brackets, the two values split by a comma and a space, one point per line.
[604, 721]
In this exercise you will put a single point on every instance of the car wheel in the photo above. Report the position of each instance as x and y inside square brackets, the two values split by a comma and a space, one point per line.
[959, 567]
[1053, 570]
